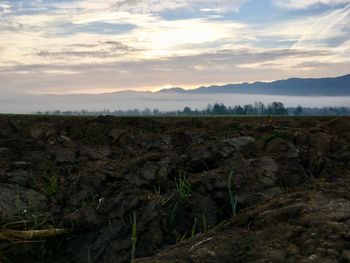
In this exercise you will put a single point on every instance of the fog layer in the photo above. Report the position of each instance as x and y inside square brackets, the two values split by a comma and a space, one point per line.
[164, 102]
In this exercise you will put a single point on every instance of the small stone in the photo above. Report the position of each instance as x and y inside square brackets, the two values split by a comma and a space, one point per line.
[313, 257]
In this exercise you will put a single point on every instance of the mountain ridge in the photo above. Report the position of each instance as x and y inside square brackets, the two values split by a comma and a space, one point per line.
[336, 86]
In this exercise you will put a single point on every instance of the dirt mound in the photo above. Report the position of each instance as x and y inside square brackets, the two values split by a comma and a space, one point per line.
[194, 189]
[307, 226]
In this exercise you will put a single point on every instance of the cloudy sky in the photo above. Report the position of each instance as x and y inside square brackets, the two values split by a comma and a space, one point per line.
[89, 46]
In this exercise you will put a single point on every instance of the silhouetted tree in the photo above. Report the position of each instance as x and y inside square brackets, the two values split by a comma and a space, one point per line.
[298, 111]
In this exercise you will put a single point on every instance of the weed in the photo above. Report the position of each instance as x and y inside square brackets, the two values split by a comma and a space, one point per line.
[27, 215]
[182, 238]
[133, 239]
[183, 186]
[233, 199]
[110, 225]
[18, 203]
[89, 256]
[52, 187]
[204, 223]
[90, 199]
[172, 216]
[100, 203]
[193, 232]
[31, 228]
[162, 199]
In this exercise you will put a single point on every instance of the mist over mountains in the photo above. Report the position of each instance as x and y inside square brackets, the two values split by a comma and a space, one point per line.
[323, 92]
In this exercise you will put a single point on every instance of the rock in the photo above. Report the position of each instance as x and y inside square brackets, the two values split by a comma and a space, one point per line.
[67, 142]
[313, 258]
[239, 142]
[269, 165]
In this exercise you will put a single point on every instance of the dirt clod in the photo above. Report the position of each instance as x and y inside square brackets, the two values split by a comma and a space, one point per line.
[201, 189]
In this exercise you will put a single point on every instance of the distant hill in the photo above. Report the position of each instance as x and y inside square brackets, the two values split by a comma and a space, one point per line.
[339, 86]
[173, 90]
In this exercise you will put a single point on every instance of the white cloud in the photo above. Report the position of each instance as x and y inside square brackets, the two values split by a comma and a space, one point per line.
[147, 6]
[301, 4]
[5, 7]
[162, 5]
[41, 51]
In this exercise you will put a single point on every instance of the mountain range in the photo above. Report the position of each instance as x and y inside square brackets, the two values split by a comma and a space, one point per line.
[338, 86]
[292, 92]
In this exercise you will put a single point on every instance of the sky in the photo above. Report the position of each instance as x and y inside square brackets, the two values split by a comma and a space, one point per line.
[89, 46]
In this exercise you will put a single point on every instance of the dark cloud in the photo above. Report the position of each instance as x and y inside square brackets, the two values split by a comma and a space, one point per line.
[103, 49]
[224, 58]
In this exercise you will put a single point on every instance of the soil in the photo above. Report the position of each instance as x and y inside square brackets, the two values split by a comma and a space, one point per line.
[196, 189]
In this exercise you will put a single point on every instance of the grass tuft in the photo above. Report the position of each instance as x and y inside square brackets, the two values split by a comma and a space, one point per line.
[233, 198]
[183, 186]
[133, 239]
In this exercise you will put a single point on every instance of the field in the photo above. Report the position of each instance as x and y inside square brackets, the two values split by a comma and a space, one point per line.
[219, 189]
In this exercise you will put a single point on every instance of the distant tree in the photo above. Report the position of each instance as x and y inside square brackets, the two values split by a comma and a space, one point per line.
[298, 111]
[260, 108]
[219, 109]
[146, 111]
[249, 110]
[276, 108]
[238, 110]
[209, 109]
[187, 111]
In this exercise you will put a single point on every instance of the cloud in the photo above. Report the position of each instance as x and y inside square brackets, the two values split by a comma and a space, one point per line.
[91, 46]
[153, 6]
[145, 6]
[332, 29]
[301, 4]
[5, 7]
[104, 49]
[225, 66]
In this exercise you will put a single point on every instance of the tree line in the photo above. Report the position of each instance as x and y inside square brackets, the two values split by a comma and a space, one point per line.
[258, 109]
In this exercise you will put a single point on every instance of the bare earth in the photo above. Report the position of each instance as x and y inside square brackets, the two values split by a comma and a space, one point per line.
[88, 176]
